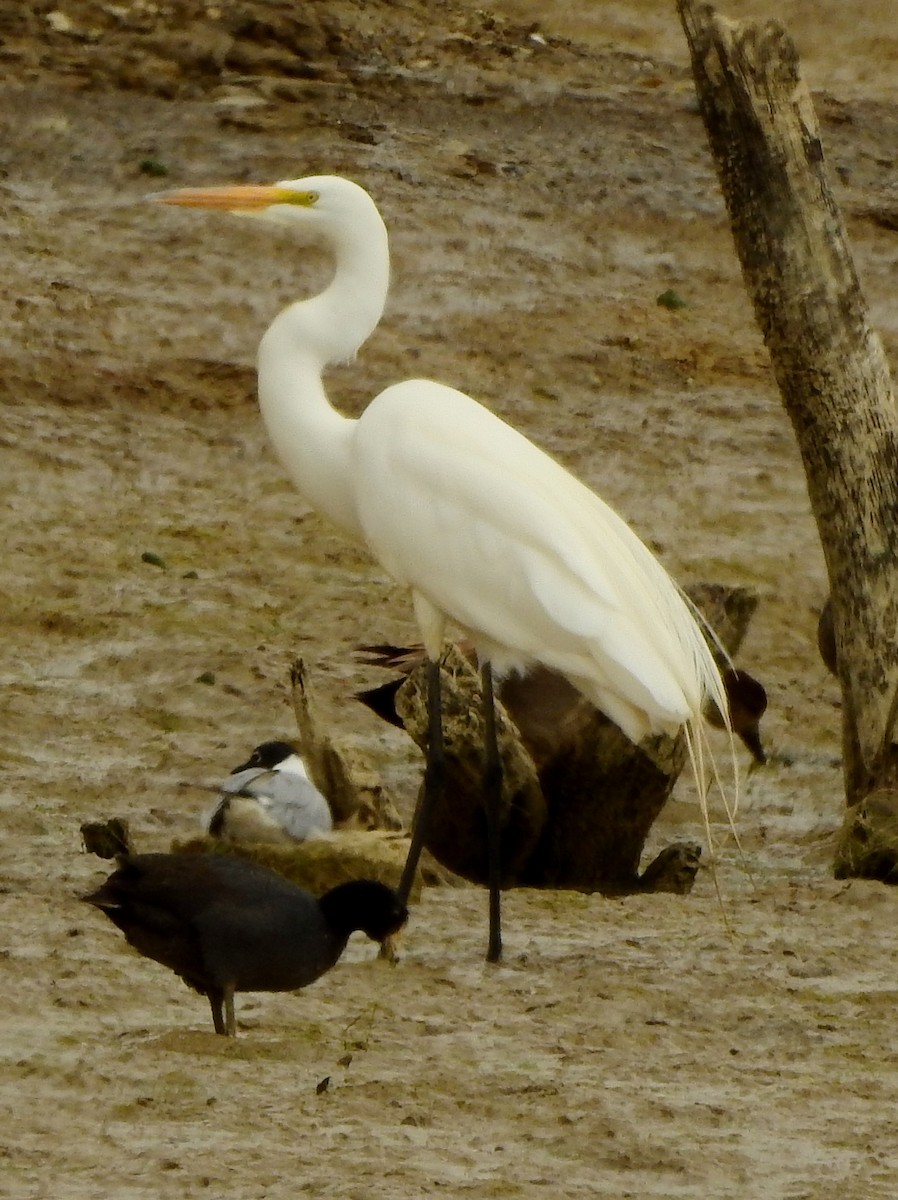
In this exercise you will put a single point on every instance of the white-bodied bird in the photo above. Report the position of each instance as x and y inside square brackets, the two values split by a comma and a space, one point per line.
[270, 798]
[483, 527]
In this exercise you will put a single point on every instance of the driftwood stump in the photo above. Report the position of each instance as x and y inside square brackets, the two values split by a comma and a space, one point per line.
[355, 795]
[867, 847]
[579, 798]
[829, 363]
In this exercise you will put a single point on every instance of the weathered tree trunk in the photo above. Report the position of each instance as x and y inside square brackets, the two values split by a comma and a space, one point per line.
[829, 364]
[579, 798]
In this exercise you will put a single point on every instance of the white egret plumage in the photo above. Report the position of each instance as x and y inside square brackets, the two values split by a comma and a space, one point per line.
[483, 528]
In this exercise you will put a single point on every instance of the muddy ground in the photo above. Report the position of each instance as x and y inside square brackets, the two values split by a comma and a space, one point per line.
[545, 178]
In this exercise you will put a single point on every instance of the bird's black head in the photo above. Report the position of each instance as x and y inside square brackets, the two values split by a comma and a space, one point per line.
[367, 905]
[745, 693]
[747, 699]
[267, 756]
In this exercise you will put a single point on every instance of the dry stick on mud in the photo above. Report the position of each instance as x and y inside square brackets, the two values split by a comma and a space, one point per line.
[829, 364]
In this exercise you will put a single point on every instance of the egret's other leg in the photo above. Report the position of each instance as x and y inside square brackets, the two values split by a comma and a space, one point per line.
[492, 797]
[434, 779]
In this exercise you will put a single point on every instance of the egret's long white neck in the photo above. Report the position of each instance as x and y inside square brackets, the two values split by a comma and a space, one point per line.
[310, 437]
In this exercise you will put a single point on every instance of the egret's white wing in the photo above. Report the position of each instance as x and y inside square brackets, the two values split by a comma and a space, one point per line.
[496, 534]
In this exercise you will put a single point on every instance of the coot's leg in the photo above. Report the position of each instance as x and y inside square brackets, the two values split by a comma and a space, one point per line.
[230, 1020]
[216, 998]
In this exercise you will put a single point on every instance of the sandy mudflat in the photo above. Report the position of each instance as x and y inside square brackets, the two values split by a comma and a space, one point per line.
[541, 191]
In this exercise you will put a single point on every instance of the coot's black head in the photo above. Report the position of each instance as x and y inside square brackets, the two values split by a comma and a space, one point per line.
[367, 905]
[267, 756]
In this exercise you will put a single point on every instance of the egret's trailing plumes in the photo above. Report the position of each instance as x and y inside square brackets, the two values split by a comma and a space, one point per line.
[484, 528]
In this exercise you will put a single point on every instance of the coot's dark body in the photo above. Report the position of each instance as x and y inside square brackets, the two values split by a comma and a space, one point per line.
[226, 925]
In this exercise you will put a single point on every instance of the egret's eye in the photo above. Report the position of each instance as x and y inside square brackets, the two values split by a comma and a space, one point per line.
[300, 199]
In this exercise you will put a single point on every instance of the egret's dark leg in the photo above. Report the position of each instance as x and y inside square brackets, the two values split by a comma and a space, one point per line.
[492, 797]
[434, 779]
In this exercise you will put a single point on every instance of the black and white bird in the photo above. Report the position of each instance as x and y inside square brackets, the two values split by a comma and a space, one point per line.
[270, 798]
[226, 925]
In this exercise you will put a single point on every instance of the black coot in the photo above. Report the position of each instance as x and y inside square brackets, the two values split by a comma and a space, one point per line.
[226, 925]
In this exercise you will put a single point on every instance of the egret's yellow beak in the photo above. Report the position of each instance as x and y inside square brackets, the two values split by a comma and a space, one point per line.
[234, 198]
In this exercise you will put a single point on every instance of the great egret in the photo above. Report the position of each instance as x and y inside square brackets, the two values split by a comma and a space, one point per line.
[226, 925]
[270, 798]
[481, 526]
